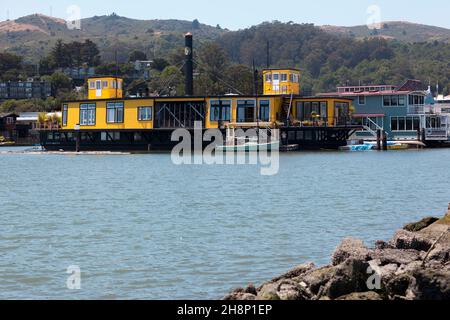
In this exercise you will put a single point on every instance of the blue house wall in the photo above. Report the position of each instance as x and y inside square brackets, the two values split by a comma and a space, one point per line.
[374, 108]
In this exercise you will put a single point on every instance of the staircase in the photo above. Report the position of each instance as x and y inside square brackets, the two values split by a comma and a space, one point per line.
[287, 109]
[368, 128]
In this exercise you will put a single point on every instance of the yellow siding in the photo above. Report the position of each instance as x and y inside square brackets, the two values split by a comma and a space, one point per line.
[289, 85]
[107, 89]
[131, 106]
[130, 115]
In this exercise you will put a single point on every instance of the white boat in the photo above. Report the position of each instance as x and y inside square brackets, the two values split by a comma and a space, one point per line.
[391, 145]
[250, 147]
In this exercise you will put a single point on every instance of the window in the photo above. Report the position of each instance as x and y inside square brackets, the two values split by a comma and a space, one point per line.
[114, 112]
[264, 110]
[220, 110]
[87, 114]
[416, 100]
[291, 77]
[416, 123]
[276, 77]
[9, 120]
[145, 113]
[307, 111]
[246, 111]
[405, 123]
[394, 101]
[362, 100]
[284, 77]
[91, 84]
[98, 85]
[64, 115]
[268, 77]
[105, 84]
[324, 110]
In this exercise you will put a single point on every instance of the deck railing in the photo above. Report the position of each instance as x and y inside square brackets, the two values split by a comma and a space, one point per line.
[416, 109]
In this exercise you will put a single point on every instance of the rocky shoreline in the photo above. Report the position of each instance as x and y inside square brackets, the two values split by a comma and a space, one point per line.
[413, 265]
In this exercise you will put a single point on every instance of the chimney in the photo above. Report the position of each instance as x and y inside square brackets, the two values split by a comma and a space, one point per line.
[188, 66]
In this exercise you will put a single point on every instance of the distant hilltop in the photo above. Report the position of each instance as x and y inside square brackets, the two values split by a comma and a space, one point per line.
[398, 30]
[32, 36]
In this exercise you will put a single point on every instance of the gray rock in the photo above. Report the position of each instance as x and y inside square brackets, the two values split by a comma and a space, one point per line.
[290, 290]
[268, 291]
[380, 244]
[296, 272]
[350, 247]
[317, 278]
[395, 256]
[239, 295]
[349, 277]
[407, 240]
[440, 253]
[398, 286]
[361, 296]
[388, 272]
[431, 284]
[251, 289]
[420, 225]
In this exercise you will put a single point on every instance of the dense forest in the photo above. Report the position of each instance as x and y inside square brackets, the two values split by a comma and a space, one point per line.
[328, 60]
[224, 65]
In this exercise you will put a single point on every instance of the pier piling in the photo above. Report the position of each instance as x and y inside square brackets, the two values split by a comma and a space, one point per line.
[385, 144]
[379, 139]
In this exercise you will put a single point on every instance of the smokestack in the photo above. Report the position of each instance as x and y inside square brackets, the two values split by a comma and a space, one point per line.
[188, 66]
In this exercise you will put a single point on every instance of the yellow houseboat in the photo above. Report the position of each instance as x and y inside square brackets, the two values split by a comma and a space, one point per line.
[106, 120]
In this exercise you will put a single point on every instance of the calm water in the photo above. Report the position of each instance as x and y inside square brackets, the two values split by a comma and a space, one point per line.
[142, 228]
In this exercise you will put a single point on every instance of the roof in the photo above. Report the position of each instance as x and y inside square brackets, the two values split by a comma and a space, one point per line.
[281, 69]
[105, 77]
[411, 85]
[11, 114]
[374, 93]
[28, 116]
[365, 115]
[197, 98]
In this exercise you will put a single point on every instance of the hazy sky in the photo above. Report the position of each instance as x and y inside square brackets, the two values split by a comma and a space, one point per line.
[235, 14]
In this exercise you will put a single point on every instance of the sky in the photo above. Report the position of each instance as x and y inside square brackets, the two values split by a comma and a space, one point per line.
[239, 14]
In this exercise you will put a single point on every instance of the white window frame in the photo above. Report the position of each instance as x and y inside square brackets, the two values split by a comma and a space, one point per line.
[359, 100]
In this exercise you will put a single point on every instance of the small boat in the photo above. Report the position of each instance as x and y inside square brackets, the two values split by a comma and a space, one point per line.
[249, 145]
[370, 145]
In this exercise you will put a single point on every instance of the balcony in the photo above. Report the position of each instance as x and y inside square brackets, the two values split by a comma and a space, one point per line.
[436, 134]
[419, 109]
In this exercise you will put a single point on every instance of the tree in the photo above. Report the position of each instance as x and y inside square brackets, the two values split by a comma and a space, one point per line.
[90, 53]
[195, 24]
[47, 65]
[61, 83]
[212, 63]
[60, 55]
[159, 64]
[240, 78]
[9, 61]
[75, 54]
[137, 55]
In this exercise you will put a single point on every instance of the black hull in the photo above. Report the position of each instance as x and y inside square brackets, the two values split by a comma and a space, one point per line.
[307, 138]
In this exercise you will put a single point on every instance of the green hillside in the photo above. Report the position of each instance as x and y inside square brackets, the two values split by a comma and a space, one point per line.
[33, 36]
